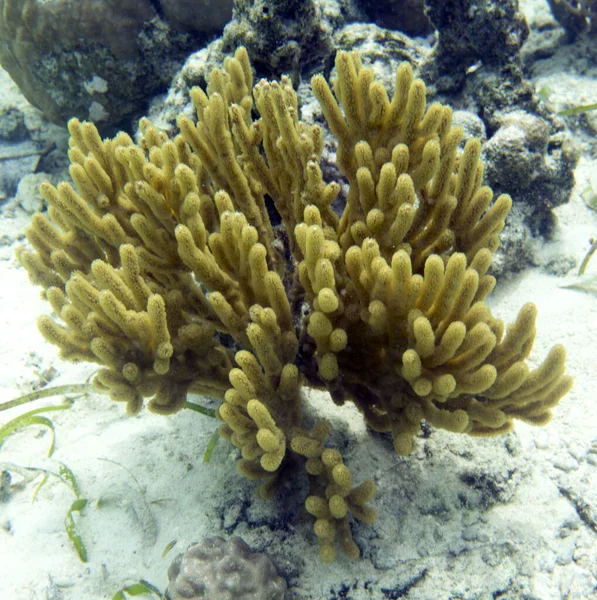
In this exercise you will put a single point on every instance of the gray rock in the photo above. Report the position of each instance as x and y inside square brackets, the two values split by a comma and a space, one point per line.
[28, 143]
[197, 15]
[16, 160]
[469, 31]
[28, 196]
[281, 36]
[527, 156]
[12, 123]
[100, 60]
[407, 16]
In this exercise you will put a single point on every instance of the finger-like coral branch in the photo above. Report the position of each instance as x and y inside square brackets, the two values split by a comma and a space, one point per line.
[161, 264]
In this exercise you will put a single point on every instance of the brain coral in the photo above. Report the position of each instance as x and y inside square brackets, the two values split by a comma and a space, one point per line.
[216, 569]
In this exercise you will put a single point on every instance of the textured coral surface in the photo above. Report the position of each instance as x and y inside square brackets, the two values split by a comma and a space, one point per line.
[215, 263]
[223, 570]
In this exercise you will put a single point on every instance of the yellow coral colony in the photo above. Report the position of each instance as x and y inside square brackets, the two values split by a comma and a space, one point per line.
[161, 264]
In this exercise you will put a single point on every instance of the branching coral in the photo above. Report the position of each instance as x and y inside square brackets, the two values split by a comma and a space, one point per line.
[162, 265]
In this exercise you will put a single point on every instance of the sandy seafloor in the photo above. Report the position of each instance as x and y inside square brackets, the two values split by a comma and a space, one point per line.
[533, 535]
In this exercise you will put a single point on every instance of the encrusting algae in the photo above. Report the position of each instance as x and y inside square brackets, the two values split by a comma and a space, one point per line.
[162, 265]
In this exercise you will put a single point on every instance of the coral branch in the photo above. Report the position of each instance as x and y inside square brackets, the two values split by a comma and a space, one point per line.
[161, 265]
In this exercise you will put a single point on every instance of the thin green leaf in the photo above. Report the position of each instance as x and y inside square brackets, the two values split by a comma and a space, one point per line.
[586, 283]
[132, 475]
[208, 412]
[211, 446]
[74, 536]
[544, 92]
[74, 388]
[136, 589]
[44, 421]
[68, 476]
[577, 110]
[169, 547]
[41, 484]
[152, 588]
[24, 421]
[79, 504]
[587, 258]
[30, 418]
